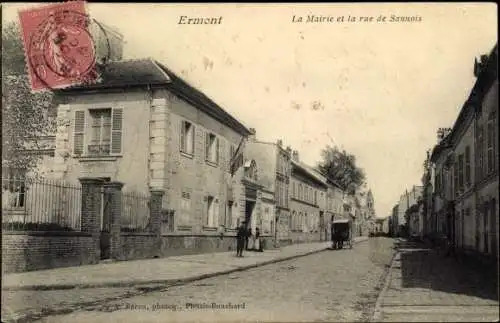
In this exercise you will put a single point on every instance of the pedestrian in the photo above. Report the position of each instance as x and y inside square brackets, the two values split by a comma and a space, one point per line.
[247, 238]
[240, 240]
[258, 243]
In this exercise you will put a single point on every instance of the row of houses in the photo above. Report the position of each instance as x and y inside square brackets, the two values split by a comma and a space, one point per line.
[144, 131]
[459, 196]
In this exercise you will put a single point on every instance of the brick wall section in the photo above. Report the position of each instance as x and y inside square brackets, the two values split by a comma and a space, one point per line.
[91, 210]
[22, 251]
[114, 191]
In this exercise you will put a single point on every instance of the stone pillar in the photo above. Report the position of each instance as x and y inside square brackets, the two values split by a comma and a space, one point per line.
[91, 211]
[113, 192]
[155, 215]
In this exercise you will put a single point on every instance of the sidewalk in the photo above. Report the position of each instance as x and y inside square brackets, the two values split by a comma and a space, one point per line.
[424, 286]
[170, 270]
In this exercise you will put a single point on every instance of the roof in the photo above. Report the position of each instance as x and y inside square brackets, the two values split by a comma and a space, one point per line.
[484, 80]
[309, 171]
[150, 73]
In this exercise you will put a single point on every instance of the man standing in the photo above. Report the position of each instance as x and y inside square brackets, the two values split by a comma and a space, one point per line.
[240, 239]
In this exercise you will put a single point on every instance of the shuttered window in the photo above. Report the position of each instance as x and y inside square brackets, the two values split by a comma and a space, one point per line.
[117, 131]
[467, 167]
[187, 137]
[79, 132]
[211, 148]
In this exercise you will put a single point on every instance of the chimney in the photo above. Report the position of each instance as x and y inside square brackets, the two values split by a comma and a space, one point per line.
[289, 150]
[280, 142]
[440, 135]
[109, 42]
[252, 136]
[295, 155]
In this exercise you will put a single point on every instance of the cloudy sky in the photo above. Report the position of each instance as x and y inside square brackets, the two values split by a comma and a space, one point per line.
[379, 90]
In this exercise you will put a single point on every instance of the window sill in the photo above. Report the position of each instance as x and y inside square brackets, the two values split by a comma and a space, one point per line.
[97, 158]
[187, 155]
[211, 163]
[206, 228]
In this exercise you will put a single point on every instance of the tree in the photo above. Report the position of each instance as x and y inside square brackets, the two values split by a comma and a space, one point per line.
[341, 167]
[26, 116]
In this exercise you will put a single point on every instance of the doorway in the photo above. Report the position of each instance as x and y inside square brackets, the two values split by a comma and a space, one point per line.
[493, 227]
[249, 207]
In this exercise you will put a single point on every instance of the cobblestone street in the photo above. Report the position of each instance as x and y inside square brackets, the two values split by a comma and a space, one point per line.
[328, 286]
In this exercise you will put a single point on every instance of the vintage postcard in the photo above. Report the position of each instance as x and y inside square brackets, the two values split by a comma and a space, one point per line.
[296, 162]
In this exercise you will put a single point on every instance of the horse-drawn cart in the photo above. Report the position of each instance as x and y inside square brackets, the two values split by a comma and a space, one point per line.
[341, 233]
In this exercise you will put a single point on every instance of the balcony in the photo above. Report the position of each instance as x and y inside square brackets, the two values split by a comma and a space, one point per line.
[98, 150]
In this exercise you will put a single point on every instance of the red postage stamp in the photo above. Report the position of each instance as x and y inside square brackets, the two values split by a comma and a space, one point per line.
[59, 48]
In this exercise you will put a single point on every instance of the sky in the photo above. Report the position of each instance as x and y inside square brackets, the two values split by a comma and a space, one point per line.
[380, 90]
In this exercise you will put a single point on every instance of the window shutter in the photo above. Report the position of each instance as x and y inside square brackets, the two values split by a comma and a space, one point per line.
[79, 132]
[183, 136]
[116, 131]
[193, 134]
[217, 151]
[207, 146]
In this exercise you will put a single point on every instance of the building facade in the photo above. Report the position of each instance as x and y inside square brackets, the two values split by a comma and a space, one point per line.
[465, 165]
[273, 162]
[145, 127]
[307, 202]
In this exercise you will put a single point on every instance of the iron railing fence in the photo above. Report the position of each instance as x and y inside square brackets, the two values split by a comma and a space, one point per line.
[135, 212]
[40, 204]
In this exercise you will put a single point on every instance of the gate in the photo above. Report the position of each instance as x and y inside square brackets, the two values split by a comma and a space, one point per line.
[105, 217]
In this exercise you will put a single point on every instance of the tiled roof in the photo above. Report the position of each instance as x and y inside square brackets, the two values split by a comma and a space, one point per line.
[309, 171]
[148, 72]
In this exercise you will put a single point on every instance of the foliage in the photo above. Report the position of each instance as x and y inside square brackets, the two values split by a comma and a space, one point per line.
[341, 167]
[26, 116]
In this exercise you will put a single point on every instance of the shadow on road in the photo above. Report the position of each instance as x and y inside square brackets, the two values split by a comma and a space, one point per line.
[422, 267]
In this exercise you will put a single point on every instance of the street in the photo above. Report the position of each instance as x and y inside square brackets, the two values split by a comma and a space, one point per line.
[334, 285]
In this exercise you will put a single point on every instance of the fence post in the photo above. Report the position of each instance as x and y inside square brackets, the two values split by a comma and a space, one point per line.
[91, 211]
[114, 192]
[155, 206]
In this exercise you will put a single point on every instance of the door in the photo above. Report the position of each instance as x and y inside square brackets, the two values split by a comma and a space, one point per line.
[322, 237]
[493, 227]
[486, 228]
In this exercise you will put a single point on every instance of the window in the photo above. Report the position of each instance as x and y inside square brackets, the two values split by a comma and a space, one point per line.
[300, 192]
[187, 137]
[212, 212]
[229, 219]
[100, 138]
[460, 172]
[480, 153]
[286, 197]
[455, 178]
[467, 167]
[212, 148]
[293, 189]
[186, 201]
[102, 135]
[315, 197]
[490, 144]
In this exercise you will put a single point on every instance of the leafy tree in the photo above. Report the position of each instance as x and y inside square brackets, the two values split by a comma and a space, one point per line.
[26, 116]
[341, 167]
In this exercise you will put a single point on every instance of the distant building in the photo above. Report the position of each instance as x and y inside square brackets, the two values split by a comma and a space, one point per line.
[274, 166]
[307, 202]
